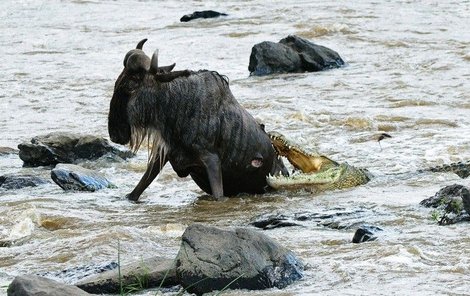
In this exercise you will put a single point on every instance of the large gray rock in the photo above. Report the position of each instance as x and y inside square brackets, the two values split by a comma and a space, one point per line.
[212, 259]
[62, 147]
[74, 177]
[21, 181]
[292, 54]
[31, 285]
[148, 273]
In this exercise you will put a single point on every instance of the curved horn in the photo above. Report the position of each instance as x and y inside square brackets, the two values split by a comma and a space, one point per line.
[154, 63]
[141, 43]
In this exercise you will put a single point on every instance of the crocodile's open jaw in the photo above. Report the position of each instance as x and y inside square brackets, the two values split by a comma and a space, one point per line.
[299, 158]
[317, 171]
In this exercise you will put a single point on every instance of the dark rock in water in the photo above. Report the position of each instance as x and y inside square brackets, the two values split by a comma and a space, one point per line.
[269, 57]
[18, 182]
[74, 274]
[334, 219]
[61, 147]
[210, 259]
[292, 54]
[272, 222]
[201, 14]
[32, 285]
[74, 177]
[452, 204]
[148, 273]
[461, 169]
[365, 233]
[7, 150]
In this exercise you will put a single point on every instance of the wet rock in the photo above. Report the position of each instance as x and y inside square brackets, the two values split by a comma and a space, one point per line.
[62, 147]
[201, 14]
[21, 181]
[74, 177]
[7, 150]
[461, 169]
[292, 54]
[148, 273]
[272, 222]
[210, 259]
[452, 204]
[74, 274]
[335, 219]
[32, 285]
[365, 233]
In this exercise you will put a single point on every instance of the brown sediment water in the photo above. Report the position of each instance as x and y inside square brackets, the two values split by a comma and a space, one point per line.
[407, 74]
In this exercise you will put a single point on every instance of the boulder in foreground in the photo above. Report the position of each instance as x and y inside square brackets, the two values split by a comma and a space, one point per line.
[32, 285]
[213, 259]
[148, 273]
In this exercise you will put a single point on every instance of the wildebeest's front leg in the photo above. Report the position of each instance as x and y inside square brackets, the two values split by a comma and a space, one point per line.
[153, 169]
[214, 173]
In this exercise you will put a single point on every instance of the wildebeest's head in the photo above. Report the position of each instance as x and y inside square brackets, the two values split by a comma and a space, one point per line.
[136, 66]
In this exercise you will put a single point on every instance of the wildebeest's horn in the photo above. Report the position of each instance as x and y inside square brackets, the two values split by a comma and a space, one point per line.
[166, 69]
[154, 63]
[141, 43]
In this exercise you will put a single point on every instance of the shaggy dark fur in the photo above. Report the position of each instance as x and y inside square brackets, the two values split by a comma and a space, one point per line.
[192, 120]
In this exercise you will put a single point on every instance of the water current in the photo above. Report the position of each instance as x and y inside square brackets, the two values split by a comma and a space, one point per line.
[407, 74]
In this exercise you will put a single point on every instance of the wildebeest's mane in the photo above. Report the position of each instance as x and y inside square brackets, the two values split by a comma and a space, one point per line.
[223, 77]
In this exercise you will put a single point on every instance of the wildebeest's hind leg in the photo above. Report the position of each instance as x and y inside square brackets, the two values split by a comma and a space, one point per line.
[214, 173]
[153, 169]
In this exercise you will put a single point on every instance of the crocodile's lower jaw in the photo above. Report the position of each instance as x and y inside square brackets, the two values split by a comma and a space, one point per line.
[343, 176]
[323, 180]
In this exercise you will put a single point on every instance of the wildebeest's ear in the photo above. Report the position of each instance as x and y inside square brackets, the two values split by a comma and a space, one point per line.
[166, 69]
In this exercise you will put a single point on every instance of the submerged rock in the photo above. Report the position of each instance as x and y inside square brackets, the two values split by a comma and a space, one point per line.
[32, 285]
[213, 259]
[62, 147]
[452, 204]
[21, 181]
[333, 218]
[148, 273]
[74, 177]
[292, 54]
[201, 14]
[365, 233]
[74, 274]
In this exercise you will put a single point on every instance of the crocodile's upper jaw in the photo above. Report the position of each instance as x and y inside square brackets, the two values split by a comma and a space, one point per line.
[300, 159]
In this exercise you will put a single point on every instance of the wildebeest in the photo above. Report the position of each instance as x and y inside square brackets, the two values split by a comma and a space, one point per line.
[192, 120]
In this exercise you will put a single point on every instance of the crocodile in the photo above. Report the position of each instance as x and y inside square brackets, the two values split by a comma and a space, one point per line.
[319, 172]
[316, 171]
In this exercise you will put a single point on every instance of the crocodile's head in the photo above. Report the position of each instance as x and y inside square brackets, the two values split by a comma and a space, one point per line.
[316, 171]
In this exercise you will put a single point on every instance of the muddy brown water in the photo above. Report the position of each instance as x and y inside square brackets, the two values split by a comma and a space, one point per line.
[408, 75]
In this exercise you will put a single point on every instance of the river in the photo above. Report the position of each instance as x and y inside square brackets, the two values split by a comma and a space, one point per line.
[407, 74]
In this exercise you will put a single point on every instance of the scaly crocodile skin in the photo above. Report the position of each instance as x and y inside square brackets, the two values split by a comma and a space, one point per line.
[318, 171]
